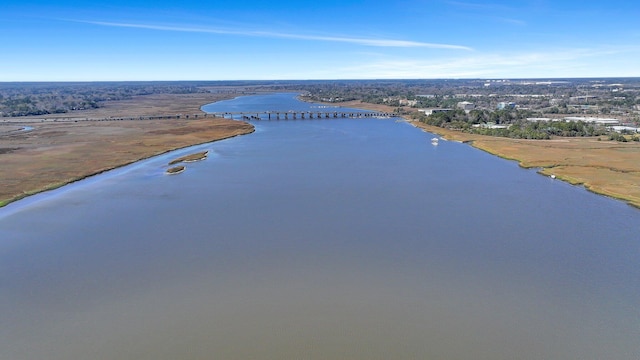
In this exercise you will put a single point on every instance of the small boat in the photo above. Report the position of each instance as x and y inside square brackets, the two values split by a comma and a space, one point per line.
[434, 141]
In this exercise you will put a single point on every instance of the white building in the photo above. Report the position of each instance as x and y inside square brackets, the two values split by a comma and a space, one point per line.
[491, 125]
[536, 119]
[406, 102]
[594, 120]
[506, 105]
[625, 128]
[466, 106]
[433, 111]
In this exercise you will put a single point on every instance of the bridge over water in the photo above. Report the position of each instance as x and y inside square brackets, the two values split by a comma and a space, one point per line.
[244, 115]
[292, 114]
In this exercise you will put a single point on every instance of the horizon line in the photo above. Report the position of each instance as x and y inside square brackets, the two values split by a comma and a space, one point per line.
[336, 79]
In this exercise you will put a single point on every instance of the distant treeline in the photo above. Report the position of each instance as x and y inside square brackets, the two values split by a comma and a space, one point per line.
[613, 96]
[18, 99]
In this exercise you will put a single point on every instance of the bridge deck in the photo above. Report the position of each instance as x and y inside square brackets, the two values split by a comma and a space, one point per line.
[242, 115]
[278, 115]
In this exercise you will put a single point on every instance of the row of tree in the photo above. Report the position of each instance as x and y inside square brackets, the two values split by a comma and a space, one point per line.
[17, 99]
[511, 124]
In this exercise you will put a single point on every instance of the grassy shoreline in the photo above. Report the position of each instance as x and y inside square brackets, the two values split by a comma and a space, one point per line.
[59, 184]
[621, 183]
[602, 167]
[58, 152]
[605, 168]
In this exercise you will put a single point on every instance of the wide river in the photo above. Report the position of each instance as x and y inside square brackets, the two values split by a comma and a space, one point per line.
[320, 239]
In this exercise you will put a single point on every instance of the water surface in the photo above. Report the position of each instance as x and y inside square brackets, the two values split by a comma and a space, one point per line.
[320, 239]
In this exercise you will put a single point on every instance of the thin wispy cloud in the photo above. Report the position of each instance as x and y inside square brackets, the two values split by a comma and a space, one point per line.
[268, 34]
[567, 62]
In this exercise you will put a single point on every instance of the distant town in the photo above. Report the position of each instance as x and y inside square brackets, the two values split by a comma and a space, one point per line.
[534, 109]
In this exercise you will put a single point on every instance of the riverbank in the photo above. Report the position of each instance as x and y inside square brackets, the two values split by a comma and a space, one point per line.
[604, 167]
[54, 154]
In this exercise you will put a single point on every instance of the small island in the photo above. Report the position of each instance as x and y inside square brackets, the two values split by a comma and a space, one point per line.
[190, 158]
[176, 170]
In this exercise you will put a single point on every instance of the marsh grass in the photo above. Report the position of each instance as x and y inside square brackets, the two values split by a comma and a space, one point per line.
[604, 167]
[49, 159]
[190, 158]
[176, 169]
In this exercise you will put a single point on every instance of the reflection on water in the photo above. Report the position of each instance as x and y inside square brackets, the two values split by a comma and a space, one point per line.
[321, 239]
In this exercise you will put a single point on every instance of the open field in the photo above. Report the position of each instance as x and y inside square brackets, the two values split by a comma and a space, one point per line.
[605, 167]
[56, 153]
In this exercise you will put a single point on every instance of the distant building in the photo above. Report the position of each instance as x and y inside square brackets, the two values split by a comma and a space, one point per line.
[506, 105]
[407, 102]
[433, 111]
[583, 107]
[583, 98]
[594, 120]
[625, 129]
[491, 125]
[466, 106]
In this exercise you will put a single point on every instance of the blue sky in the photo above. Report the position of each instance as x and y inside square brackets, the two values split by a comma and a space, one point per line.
[260, 40]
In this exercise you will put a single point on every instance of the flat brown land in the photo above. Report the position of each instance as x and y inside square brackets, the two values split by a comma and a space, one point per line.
[56, 153]
[189, 158]
[604, 167]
